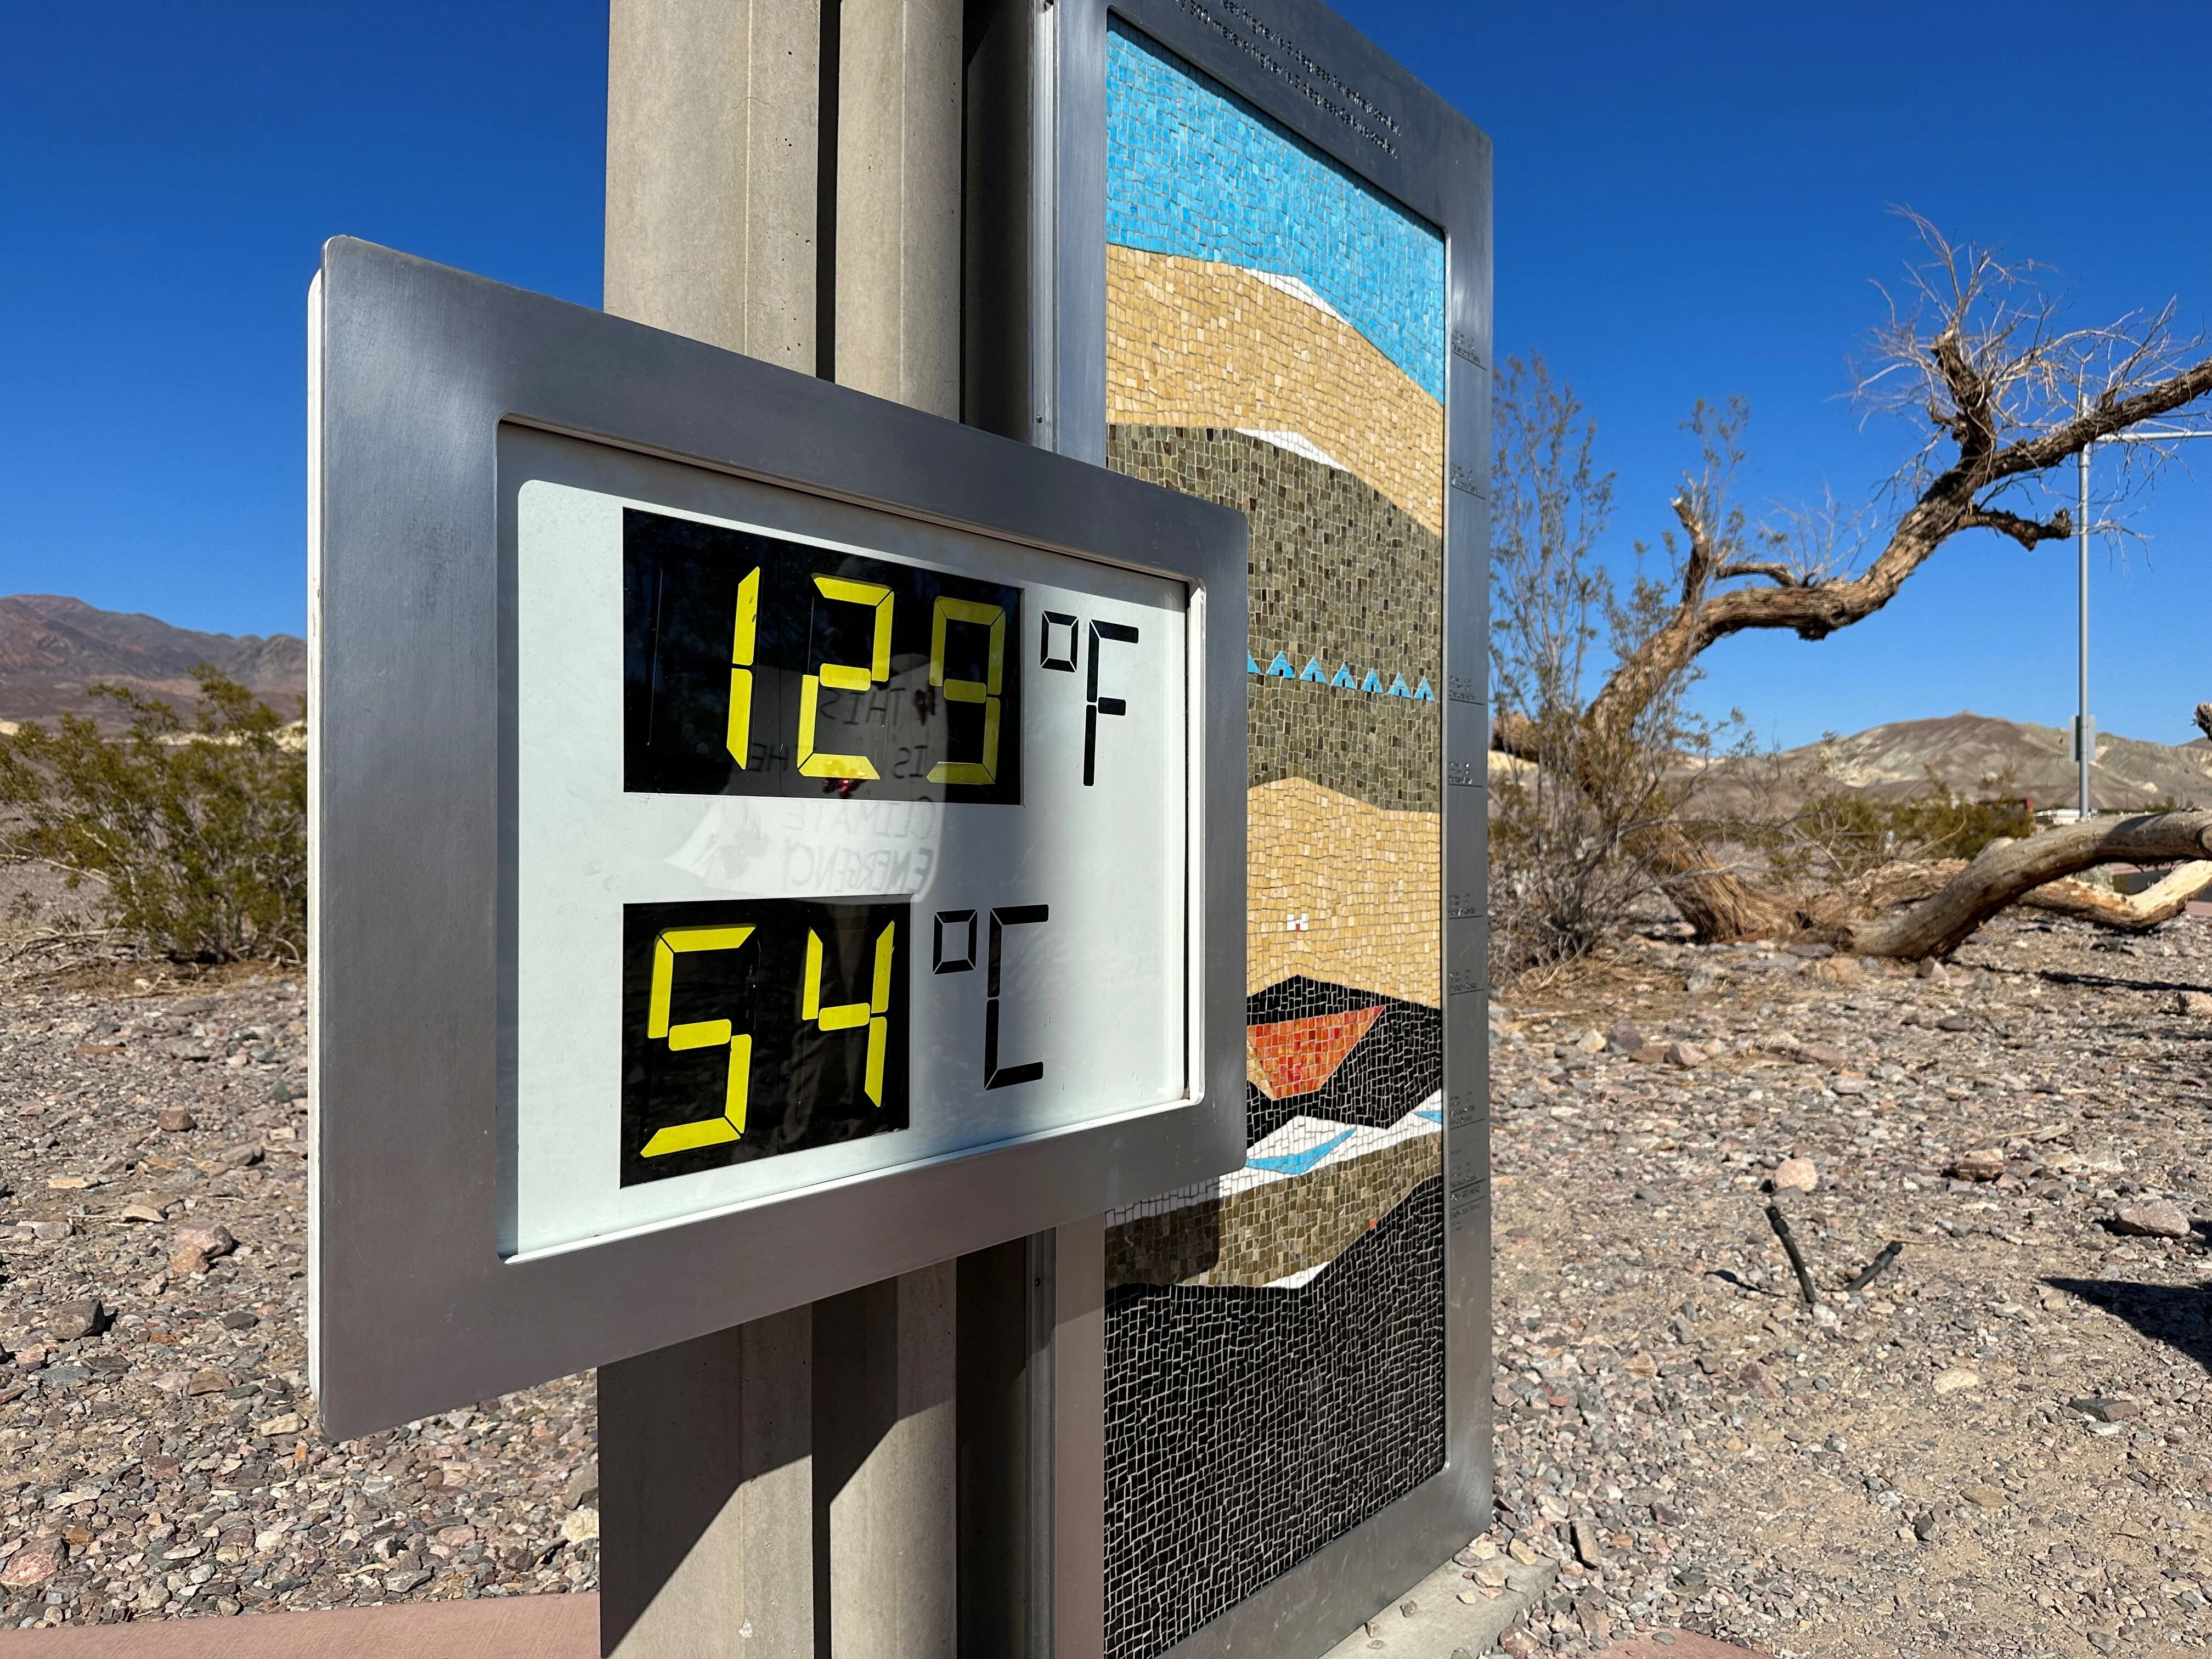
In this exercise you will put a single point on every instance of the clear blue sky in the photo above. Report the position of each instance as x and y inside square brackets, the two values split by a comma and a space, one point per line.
[1690, 202]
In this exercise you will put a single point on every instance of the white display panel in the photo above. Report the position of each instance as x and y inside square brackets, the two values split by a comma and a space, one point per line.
[1088, 880]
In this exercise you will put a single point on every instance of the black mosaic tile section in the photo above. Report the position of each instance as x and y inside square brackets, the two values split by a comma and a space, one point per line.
[1303, 997]
[1246, 1428]
[1338, 572]
[1399, 1064]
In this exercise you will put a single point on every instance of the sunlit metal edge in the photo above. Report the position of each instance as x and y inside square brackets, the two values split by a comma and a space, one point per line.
[415, 367]
[1443, 171]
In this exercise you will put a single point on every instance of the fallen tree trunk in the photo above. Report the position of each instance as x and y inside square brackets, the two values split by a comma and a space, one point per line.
[1949, 899]
[1908, 883]
[2006, 871]
[2130, 913]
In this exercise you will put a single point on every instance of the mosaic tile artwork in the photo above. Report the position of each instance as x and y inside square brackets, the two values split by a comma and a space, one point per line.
[1302, 1413]
[1275, 1345]
[1400, 1059]
[1336, 889]
[1194, 171]
[1299, 395]
[1319, 535]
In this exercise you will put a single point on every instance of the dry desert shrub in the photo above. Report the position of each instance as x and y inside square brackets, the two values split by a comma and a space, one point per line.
[192, 839]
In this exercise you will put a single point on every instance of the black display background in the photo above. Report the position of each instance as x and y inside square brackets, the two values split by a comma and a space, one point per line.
[679, 605]
[807, 1084]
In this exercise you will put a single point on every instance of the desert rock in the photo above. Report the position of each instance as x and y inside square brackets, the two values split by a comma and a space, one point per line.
[80, 1318]
[2160, 1219]
[1795, 1175]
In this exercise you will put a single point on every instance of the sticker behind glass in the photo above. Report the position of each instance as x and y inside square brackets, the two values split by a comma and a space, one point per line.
[758, 666]
[759, 1027]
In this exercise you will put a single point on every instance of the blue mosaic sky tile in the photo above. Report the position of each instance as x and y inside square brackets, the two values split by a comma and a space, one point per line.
[1174, 135]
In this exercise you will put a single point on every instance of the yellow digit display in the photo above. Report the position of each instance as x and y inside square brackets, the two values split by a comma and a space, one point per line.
[698, 1034]
[743, 638]
[985, 690]
[759, 664]
[851, 1016]
[759, 1026]
[843, 677]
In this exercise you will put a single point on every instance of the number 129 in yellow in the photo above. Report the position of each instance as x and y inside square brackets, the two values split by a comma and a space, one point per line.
[759, 664]
[758, 1027]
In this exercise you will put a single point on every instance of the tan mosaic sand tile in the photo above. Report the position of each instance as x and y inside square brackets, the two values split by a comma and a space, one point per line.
[1365, 882]
[1193, 343]
[1266, 1233]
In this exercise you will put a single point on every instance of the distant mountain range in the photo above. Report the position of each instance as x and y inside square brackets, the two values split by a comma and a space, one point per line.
[54, 650]
[1976, 754]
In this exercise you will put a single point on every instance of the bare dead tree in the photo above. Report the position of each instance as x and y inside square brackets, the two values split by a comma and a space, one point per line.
[2205, 717]
[1976, 355]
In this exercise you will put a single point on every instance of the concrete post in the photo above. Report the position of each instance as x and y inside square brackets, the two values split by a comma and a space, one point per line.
[898, 201]
[706, 1477]
[885, 1432]
[706, 1447]
[789, 1488]
[712, 112]
[886, 1547]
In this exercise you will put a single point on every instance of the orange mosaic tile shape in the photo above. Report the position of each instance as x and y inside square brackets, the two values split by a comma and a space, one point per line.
[1298, 1056]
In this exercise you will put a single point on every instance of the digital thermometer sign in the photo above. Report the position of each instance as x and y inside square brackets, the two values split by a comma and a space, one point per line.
[762, 839]
[841, 841]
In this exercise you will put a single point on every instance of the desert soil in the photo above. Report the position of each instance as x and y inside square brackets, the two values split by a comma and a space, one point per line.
[1901, 1473]
[167, 1463]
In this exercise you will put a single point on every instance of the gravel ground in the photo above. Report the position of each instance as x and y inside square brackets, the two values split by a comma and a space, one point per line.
[1902, 1472]
[1999, 1447]
[164, 1462]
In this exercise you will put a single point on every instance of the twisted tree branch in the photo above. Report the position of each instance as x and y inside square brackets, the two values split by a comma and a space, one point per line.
[2025, 531]
[2005, 871]
[1780, 573]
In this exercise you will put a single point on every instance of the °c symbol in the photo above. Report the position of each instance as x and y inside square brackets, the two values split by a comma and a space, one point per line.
[950, 924]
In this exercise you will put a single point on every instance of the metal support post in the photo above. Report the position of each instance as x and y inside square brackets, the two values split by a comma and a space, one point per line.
[2085, 729]
[1077, 1477]
[2085, 740]
[784, 180]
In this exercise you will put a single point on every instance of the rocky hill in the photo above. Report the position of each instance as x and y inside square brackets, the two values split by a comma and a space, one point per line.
[1975, 754]
[54, 650]
[1965, 748]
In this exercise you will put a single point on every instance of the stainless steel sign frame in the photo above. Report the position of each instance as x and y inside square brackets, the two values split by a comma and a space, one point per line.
[1305, 67]
[425, 384]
